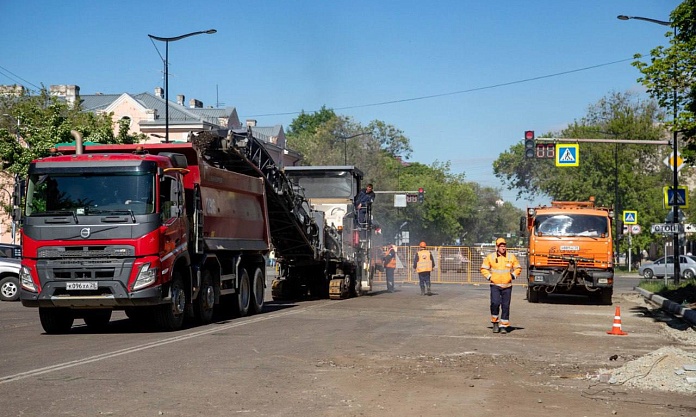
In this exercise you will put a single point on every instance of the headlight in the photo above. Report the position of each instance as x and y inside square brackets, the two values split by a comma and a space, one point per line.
[146, 276]
[25, 279]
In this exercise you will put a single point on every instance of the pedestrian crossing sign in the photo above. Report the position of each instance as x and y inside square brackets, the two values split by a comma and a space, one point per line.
[680, 198]
[630, 217]
[567, 155]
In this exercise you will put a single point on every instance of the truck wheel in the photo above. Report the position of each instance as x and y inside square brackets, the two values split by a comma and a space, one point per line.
[56, 320]
[9, 289]
[97, 319]
[243, 298]
[532, 296]
[170, 316]
[257, 295]
[206, 299]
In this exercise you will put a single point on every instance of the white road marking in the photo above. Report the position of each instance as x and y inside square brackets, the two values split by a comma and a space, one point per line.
[151, 345]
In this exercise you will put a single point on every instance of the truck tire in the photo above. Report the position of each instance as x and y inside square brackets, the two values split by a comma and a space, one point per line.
[56, 320]
[532, 295]
[97, 319]
[205, 302]
[242, 300]
[170, 316]
[9, 289]
[257, 295]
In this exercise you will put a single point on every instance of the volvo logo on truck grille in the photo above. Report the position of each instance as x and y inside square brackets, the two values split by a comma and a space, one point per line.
[85, 232]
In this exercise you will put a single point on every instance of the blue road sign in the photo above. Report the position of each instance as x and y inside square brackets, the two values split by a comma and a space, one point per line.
[630, 217]
[567, 155]
[680, 198]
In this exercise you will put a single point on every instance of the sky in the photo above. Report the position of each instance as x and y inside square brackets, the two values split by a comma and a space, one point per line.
[461, 79]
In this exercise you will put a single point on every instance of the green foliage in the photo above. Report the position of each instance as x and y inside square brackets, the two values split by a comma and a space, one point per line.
[669, 77]
[36, 123]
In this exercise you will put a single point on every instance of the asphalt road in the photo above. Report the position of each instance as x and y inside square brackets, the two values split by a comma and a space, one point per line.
[381, 354]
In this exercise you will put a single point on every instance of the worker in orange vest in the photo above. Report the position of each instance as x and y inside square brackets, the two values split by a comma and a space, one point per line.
[501, 268]
[424, 263]
[389, 262]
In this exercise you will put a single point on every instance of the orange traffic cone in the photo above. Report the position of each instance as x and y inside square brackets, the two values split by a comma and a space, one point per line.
[616, 328]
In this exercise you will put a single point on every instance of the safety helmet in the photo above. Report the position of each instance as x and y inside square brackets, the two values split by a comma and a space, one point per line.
[499, 241]
[422, 244]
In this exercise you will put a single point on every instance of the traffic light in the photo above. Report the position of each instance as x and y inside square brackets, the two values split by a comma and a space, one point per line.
[421, 195]
[529, 144]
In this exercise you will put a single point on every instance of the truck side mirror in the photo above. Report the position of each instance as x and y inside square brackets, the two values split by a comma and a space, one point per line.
[523, 224]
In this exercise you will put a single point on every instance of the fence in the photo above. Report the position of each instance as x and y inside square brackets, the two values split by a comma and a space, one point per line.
[453, 264]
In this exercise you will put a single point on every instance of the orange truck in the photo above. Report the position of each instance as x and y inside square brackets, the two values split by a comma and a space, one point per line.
[570, 250]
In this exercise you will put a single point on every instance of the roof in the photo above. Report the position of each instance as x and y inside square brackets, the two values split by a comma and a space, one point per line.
[177, 113]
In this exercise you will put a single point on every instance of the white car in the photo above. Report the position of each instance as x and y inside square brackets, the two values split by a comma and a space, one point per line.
[9, 278]
[661, 267]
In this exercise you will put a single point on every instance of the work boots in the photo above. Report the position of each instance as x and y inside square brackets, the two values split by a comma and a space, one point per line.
[422, 290]
[496, 327]
[429, 293]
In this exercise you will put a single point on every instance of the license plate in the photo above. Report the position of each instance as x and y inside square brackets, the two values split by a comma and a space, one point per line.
[87, 285]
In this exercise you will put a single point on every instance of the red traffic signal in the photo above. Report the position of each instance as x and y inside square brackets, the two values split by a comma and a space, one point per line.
[529, 144]
[421, 195]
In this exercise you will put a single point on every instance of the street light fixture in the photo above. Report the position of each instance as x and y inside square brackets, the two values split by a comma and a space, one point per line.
[675, 213]
[345, 144]
[166, 70]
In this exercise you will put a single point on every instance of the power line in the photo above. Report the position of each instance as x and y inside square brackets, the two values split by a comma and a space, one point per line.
[17, 77]
[470, 90]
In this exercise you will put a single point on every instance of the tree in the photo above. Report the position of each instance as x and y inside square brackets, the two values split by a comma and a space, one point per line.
[670, 75]
[39, 122]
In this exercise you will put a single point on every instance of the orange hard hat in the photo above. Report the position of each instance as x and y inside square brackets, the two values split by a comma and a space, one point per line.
[422, 244]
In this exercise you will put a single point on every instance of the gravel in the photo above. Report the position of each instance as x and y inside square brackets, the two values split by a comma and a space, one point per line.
[662, 369]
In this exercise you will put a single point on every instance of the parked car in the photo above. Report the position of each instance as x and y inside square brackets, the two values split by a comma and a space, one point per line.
[9, 278]
[662, 267]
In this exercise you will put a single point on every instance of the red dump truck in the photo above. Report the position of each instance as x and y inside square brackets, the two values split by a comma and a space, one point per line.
[570, 250]
[172, 231]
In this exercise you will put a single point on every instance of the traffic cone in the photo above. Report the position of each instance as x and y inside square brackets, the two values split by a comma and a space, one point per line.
[616, 328]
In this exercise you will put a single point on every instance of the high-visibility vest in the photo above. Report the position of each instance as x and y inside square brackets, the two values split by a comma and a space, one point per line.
[498, 269]
[392, 261]
[424, 264]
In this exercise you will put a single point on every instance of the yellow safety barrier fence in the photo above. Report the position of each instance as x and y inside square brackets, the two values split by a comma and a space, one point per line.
[453, 264]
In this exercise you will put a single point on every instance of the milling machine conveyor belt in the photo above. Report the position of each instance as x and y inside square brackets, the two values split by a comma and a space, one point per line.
[294, 233]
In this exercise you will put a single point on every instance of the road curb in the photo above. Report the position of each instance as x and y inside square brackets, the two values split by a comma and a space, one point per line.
[687, 314]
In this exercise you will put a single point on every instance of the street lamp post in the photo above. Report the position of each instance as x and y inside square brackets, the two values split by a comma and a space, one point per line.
[166, 71]
[675, 166]
[345, 144]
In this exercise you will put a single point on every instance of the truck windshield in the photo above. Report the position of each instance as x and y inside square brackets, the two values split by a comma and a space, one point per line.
[325, 185]
[91, 194]
[570, 225]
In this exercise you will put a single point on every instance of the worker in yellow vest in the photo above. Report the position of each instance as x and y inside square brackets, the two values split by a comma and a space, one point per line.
[389, 262]
[500, 269]
[424, 263]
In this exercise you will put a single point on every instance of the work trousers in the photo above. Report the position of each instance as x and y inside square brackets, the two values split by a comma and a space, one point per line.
[500, 304]
[424, 278]
[390, 278]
